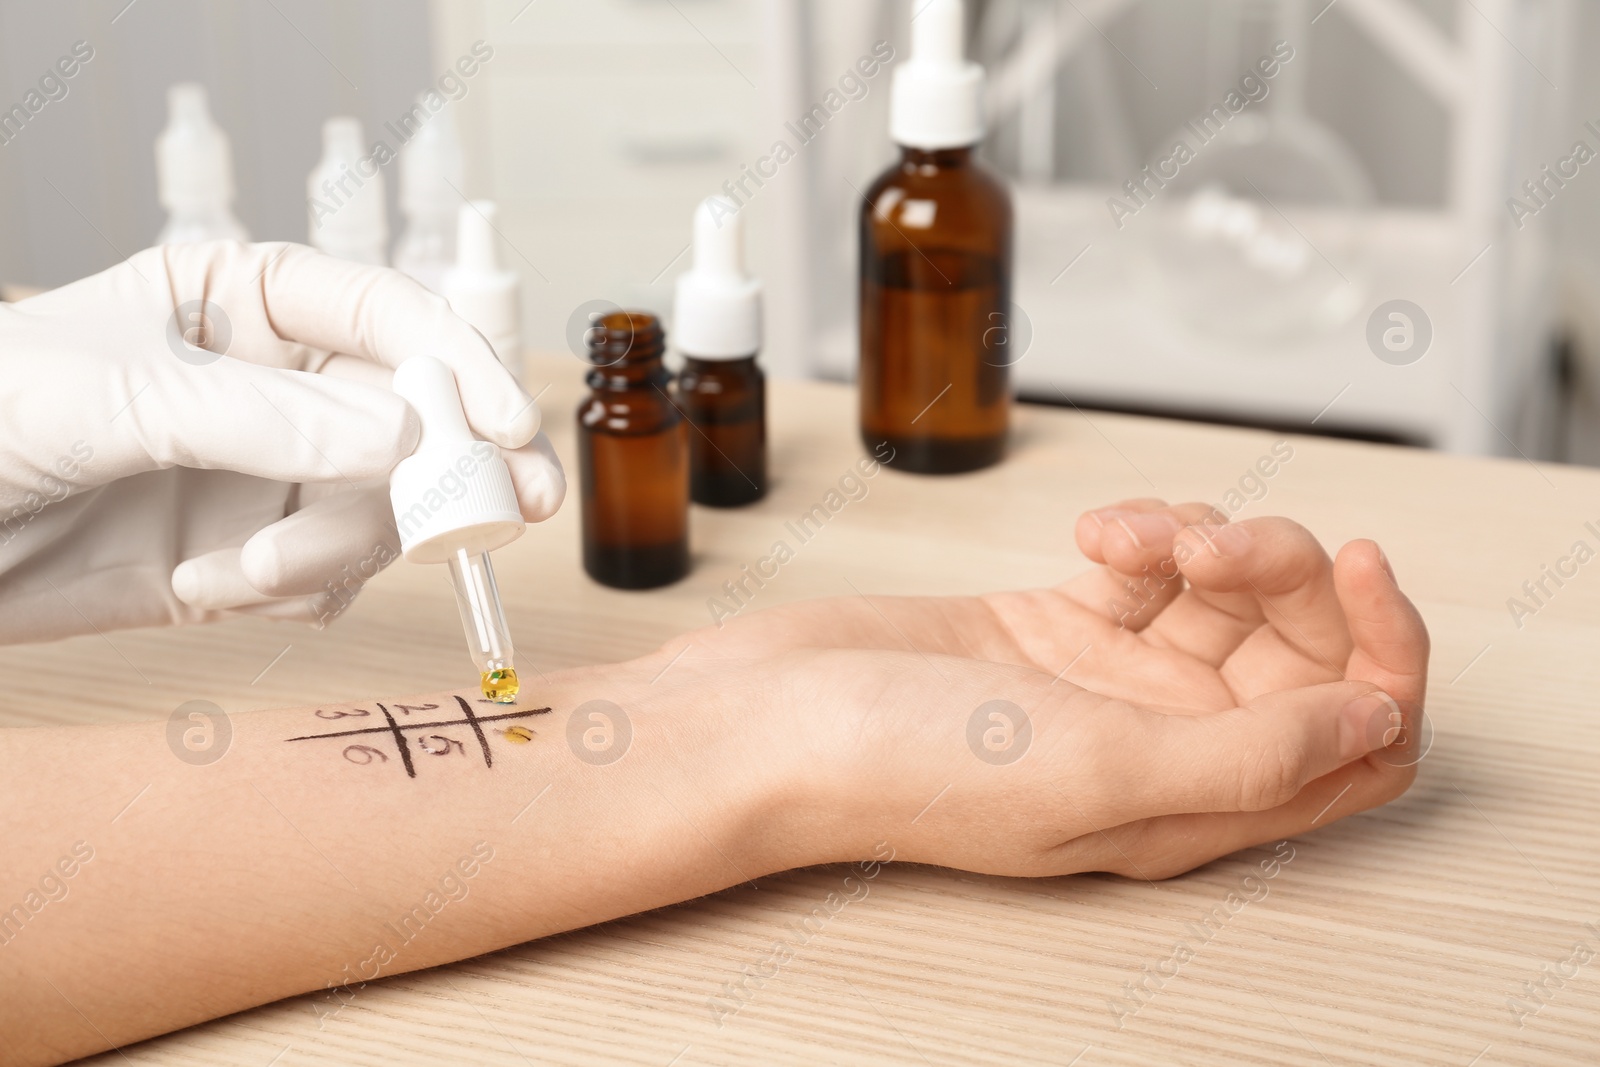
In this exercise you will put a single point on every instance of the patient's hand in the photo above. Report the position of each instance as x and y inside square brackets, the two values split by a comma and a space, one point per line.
[1209, 687]
[1230, 696]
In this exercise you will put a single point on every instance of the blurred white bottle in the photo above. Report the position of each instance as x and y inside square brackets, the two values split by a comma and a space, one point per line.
[479, 290]
[344, 197]
[430, 175]
[194, 172]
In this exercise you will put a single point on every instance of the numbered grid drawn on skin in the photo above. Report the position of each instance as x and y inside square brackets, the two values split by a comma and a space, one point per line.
[408, 738]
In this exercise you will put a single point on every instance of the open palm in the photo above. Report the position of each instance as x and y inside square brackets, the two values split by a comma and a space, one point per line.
[1249, 628]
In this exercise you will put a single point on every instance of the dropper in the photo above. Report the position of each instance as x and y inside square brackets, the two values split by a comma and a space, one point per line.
[454, 504]
[936, 98]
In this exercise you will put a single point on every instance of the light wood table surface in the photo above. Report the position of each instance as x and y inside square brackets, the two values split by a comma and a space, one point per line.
[1394, 937]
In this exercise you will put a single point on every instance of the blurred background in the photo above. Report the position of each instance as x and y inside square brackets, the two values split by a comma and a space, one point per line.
[1393, 235]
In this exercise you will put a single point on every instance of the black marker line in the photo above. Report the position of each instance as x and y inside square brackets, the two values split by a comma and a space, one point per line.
[400, 742]
[422, 725]
[483, 742]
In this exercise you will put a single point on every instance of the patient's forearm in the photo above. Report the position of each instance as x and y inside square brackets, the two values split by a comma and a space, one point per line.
[337, 844]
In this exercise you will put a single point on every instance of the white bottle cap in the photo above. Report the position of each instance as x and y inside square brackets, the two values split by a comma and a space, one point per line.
[454, 492]
[431, 164]
[431, 167]
[717, 313]
[937, 97]
[478, 289]
[344, 203]
[194, 170]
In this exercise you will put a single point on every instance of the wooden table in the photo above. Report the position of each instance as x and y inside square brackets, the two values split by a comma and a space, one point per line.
[1395, 937]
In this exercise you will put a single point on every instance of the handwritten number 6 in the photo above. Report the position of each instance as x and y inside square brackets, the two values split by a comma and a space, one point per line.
[361, 755]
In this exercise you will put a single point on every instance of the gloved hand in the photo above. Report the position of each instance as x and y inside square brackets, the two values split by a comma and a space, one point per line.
[207, 429]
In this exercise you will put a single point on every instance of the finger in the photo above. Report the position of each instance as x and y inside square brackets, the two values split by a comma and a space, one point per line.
[315, 611]
[1390, 639]
[300, 296]
[540, 481]
[1138, 541]
[1249, 758]
[341, 540]
[1135, 541]
[384, 316]
[1261, 571]
[345, 538]
[1090, 524]
[1169, 845]
[283, 425]
[215, 581]
[536, 471]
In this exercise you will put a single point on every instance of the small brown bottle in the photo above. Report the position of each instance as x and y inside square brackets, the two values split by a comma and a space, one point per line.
[724, 400]
[723, 394]
[633, 459]
[935, 237]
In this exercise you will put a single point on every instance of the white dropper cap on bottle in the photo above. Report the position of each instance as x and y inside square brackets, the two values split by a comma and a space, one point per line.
[937, 97]
[194, 172]
[717, 312]
[478, 289]
[431, 166]
[454, 492]
[346, 205]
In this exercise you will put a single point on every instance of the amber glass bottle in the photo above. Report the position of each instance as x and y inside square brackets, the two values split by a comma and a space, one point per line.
[725, 401]
[717, 320]
[935, 299]
[936, 266]
[633, 459]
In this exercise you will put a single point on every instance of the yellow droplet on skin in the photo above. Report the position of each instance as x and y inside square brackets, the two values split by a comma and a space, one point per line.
[518, 735]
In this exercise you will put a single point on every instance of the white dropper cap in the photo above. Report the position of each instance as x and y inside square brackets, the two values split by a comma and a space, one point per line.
[937, 97]
[454, 493]
[478, 289]
[717, 314]
[345, 205]
[194, 170]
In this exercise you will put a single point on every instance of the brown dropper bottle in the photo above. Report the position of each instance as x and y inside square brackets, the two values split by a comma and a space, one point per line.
[717, 326]
[935, 245]
[633, 459]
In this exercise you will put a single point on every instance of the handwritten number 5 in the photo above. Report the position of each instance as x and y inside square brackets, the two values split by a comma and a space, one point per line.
[437, 745]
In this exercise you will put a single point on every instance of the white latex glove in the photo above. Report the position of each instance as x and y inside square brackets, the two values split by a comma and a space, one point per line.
[145, 481]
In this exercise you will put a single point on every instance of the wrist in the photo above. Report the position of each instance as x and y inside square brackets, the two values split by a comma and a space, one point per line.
[718, 760]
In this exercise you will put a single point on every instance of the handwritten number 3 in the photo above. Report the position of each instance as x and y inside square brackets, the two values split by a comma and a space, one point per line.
[353, 713]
